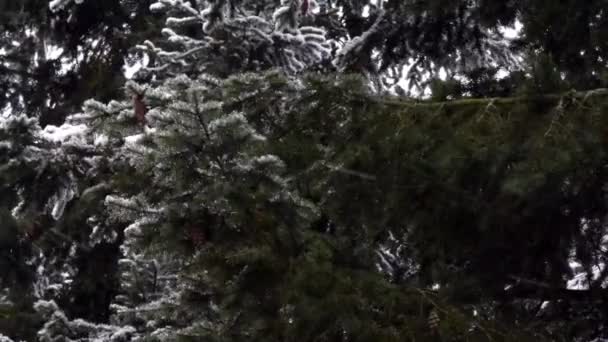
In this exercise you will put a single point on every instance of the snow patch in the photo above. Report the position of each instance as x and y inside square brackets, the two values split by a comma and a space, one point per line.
[57, 5]
[63, 133]
[59, 201]
[5, 339]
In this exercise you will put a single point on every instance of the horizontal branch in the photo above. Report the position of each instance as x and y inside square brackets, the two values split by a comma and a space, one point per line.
[350, 172]
[583, 95]
[528, 288]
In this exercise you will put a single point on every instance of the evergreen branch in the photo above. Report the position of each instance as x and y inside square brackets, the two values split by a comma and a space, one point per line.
[448, 313]
[164, 307]
[559, 110]
[540, 289]
[189, 52]
[205, 126]
[583, 95]
[350, 172]
[65, 239]
[137, 210]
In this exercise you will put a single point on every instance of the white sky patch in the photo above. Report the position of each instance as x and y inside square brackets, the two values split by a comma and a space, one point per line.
[413, 91]
[502, 73]
[365, 12]
[580, 279]
[130, 70]
[68, 64]
[53, 52]
[508, 32]
[512, 32]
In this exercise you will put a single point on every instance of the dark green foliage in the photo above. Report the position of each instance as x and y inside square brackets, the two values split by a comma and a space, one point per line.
[435, 33]
[573, 34]
[16, 314]
[378, 213]
[90, 50]
[489, 192]
[485, 190]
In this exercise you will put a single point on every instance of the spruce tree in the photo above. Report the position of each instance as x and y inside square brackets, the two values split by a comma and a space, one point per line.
[241, 189]
[54, 56]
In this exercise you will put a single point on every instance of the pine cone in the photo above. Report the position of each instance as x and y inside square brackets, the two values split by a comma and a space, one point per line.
[140, 109]
[304, 7]
[196, 235]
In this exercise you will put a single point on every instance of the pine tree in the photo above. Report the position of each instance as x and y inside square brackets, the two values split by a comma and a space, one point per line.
[229, 194]
[53, 178]
[55, 56]
[236, 36]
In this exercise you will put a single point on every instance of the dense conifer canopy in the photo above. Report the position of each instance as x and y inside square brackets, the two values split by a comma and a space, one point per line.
[302, 170]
